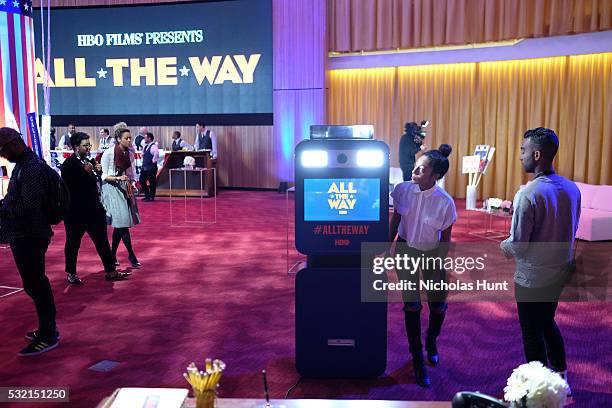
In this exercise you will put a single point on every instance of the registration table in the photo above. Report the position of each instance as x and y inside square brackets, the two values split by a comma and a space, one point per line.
[194, 186]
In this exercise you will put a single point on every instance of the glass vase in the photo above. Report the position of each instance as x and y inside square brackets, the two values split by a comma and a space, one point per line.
[206, 399]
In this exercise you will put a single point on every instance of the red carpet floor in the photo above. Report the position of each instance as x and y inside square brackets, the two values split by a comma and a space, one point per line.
[222, 291]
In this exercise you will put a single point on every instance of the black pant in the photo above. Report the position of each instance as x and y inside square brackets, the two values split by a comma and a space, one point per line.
[436, 299]
[542, 340]
[29, 255]
[150, 177]
[95, 226]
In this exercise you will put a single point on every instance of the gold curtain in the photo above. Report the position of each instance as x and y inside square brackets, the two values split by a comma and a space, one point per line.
[489, 103]
[366, 25]
[364, 96]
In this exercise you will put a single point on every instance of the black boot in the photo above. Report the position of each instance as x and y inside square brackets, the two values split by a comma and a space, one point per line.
[436, 318]
[413, 330]
[432, 353]
[420, 371]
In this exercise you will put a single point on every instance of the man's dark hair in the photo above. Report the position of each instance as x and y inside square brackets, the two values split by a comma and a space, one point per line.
[176, 132]
[545, 140]
[438, 160]
[150, 136]
[412, 129]
[76, 138]
[105, 130]
[200, 123]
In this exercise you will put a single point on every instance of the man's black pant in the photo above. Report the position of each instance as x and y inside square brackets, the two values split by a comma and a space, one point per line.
[542, 340]
[95, 225]
[148, 182]
[29, 255]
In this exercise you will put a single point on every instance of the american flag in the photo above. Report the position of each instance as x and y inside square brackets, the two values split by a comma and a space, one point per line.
[17, 84]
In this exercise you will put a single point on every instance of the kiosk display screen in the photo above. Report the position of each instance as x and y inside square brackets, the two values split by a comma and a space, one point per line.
[342, 199]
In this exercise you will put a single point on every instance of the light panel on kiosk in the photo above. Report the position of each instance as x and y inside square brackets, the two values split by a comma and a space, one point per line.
[370, 158]
[341, 199]
[314, 158]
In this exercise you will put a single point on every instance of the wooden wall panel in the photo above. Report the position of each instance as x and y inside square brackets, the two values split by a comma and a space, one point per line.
[300, 56]
[246, 153]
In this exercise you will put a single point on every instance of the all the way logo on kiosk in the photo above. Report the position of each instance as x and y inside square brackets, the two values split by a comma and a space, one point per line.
[342, 196]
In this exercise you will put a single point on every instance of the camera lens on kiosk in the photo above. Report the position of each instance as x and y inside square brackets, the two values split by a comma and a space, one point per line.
[342, 158]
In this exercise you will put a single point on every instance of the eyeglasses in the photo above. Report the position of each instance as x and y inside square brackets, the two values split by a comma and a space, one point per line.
[86, 145]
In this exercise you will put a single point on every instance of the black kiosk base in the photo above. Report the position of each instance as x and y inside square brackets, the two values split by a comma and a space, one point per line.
[336, 334]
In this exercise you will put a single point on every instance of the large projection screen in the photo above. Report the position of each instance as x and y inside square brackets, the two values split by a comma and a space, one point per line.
[170, 63]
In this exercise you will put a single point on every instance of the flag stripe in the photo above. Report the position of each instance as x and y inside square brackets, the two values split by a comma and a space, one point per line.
[32, 64]
[21, 115]
[25, 74]
[13, 72]
[6, 70]
[2, 107]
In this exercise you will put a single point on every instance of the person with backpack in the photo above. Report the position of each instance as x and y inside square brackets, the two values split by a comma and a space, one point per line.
[82, 175]
[26, 225]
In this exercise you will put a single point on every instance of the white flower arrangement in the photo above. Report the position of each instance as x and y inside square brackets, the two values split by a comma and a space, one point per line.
[532, 385]
[495, 203]
[189, 162]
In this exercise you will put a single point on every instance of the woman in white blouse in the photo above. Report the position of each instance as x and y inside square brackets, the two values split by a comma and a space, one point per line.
[423, 218]
[119, 193]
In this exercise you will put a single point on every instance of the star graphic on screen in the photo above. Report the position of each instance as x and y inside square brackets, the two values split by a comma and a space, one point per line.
[101, 73]
[16, 4]
[184, 71]
[2, 2]
[26, 7]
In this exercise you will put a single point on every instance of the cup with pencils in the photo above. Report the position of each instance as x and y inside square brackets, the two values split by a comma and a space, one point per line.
[205, 382]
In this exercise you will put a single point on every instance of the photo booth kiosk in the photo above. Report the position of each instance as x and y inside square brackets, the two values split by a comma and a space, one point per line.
[341, 202]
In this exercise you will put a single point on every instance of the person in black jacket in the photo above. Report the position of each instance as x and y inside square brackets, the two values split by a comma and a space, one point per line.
[410, 144]
[25, 226]
[82, 176]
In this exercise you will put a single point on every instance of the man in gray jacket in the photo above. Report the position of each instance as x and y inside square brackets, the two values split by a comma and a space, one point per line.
[544, 225]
